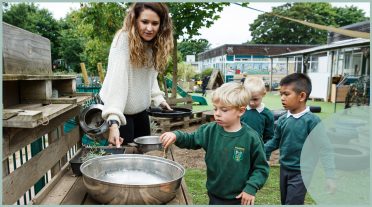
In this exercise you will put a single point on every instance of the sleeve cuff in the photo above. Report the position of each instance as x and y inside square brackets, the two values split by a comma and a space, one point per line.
[114, 115]
[250, 190]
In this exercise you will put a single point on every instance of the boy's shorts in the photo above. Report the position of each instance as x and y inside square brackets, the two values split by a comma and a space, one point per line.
[214, 200]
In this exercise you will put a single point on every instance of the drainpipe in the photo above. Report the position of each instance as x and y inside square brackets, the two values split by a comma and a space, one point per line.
[271, 74]
[287, 65]
[331, 74]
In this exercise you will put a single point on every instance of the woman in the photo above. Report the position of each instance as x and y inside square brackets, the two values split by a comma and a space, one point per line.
[138, 52]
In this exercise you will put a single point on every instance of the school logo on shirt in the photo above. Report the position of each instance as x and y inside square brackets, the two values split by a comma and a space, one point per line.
[238, 154]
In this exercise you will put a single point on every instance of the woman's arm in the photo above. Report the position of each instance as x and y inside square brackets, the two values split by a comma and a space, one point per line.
[114, 91]
[157, 94]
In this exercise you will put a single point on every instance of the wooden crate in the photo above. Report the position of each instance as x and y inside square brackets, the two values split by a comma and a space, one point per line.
[168, 124]
[341, 93]
[25, 52]
[20, 89]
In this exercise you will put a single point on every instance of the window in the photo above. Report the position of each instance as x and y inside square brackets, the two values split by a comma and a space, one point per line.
[313, 64]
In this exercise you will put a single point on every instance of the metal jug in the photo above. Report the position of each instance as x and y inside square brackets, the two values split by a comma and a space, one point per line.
[92, 123]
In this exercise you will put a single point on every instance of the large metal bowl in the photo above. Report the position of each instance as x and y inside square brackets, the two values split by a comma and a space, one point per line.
[132, 179]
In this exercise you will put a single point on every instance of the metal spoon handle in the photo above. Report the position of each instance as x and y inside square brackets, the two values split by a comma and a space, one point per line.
[165, 153]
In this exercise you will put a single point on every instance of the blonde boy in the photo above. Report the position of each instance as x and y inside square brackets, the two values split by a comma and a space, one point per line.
[235, 159]
[257, 115]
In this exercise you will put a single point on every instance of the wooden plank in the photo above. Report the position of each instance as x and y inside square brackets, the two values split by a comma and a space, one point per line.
[65, 86]
[82, 99]
[8, 115]
[61, 133]
[36, 89]
[59, 192]
[25, 52]
[49, 112]
[62, 100]
[6, 169]
[25, 106]
[15, 184]
[77, 94]
[76, 194]
[22, 115]
[14, 77]
[16, 138]
[52, 138]
[38, 199]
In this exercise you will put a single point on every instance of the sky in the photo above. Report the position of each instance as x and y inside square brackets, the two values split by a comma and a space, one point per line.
[231, 28]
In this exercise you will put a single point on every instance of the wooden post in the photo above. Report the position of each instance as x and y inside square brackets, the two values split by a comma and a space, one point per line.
[85, 74]
[53, 137]
[100, 72]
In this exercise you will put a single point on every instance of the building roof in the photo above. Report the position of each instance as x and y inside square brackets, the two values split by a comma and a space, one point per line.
[251, 49]
[333, 45]
[359, 26]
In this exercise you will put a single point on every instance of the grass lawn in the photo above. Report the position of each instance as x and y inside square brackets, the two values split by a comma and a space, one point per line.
[272, 101]
[270, 193]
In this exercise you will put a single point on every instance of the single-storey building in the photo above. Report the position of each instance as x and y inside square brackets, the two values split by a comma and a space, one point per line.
[343, 57]
[251, 59]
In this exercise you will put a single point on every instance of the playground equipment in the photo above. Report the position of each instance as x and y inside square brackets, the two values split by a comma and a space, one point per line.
[201, 100]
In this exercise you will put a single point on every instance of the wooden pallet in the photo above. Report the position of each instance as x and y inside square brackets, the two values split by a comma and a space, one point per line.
[168, 124]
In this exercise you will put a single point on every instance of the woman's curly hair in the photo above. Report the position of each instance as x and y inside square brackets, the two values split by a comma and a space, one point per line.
[162, 44]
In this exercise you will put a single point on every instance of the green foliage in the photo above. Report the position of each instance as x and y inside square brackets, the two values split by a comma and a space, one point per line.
[349, 15]
[169, 69]
[207, 72]
[87, 34]
[187, 19]
[269, 29]
[193, 47]
[30, 17]
[71, 42]
[186, 71]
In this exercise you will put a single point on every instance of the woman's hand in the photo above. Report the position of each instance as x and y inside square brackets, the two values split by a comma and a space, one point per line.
[167, 139]
[114, 136]
[164, 104]
[247, 199]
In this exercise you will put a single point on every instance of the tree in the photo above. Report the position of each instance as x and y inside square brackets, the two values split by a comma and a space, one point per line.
[187, 19]
[31, 18]
[349, 15]
[193, 47]
[88, 32]
[269, 29]
[71, 42]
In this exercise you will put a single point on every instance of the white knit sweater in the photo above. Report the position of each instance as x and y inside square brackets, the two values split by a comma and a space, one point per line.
[127, 90]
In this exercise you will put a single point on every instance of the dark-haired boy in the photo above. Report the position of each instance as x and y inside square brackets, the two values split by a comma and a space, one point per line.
[290, 135]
